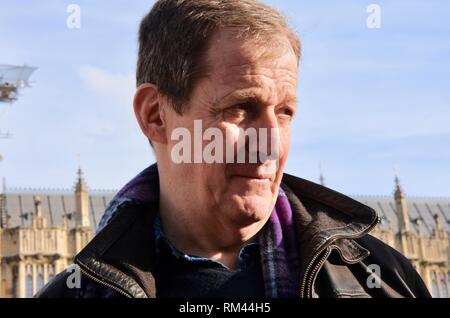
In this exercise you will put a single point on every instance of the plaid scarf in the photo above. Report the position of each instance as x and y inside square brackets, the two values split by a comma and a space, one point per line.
[279, 252]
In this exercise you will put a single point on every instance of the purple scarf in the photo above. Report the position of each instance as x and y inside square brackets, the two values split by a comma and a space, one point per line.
[279, 253]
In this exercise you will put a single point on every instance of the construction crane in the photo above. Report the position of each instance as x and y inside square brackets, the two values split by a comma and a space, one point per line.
[12, 79]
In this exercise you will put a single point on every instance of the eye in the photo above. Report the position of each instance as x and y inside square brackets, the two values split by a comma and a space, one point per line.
[238, 112]
[241, 107]
[286, 111]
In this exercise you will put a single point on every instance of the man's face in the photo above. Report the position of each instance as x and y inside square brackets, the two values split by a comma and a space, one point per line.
[248, 85]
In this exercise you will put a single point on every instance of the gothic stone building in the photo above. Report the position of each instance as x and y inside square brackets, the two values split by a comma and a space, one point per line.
[42, 230]
[419, 228]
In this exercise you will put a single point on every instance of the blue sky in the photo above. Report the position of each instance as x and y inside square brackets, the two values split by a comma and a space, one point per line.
[369, 99]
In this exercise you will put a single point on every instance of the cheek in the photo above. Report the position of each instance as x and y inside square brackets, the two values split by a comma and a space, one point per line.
[231, 130]
[283, 155]
[285, 140]
[210, 174]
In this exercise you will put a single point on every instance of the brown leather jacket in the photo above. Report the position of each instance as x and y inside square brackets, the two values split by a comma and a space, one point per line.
[340, 258]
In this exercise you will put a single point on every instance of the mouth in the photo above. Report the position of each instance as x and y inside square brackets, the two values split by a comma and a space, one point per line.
[256, 178]
[251, 173]
[253, 177]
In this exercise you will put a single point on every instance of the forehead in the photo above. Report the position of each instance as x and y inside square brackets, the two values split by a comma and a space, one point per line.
[244, 63]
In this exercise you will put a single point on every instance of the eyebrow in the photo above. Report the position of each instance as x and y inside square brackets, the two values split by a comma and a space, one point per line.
[250, 95]
[290, 99]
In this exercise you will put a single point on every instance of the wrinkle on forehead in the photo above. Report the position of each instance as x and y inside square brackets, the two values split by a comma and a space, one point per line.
[270, 85]
[224, 42]
[226, 51]
[276, 63]
[239, 64]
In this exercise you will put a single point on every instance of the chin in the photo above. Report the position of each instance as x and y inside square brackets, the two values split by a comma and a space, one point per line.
[249, 210]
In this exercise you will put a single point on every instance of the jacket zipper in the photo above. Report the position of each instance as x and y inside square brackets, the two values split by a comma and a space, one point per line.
[102, 282]
[308, 281]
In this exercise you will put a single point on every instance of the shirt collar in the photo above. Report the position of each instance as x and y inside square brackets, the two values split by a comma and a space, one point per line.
[246, 254]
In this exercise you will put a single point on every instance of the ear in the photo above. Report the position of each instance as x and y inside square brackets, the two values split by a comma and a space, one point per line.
[149, 112]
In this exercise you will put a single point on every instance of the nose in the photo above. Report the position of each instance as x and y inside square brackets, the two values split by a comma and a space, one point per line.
[268, 136]
[266, 119]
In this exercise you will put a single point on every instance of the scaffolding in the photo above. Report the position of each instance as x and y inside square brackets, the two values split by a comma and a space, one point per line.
[12, 79]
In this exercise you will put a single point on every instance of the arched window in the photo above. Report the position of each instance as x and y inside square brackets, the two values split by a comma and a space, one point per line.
[448, 282]
[29, 286]
[39, 282]
[51, 272]
[434, 288]
[29, 292]
[444, 293]
[40, 278]
[15, 282]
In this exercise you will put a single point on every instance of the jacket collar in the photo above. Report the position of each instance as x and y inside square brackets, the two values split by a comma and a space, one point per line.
[122, 254]
[324, 217]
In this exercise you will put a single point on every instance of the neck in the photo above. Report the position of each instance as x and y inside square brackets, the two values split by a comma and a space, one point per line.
[195, 234]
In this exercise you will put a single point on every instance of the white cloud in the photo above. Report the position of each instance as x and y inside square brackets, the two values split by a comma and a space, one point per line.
[113, 99]
[118, 87]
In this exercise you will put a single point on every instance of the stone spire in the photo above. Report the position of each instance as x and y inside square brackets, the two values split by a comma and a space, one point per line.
[3, 212]
[39, 220]
[439, 229]
[398, 189]
[402, 210]
[81, 202]
[37, 206]
[418, 222]
[80, 185]
[3, 185]
[321, 177]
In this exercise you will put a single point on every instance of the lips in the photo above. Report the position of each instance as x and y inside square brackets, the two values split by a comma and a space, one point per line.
[254, 176]
[249, 171]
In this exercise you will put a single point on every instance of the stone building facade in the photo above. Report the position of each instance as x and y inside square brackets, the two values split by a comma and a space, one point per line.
[42, 230]
[419, 228]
